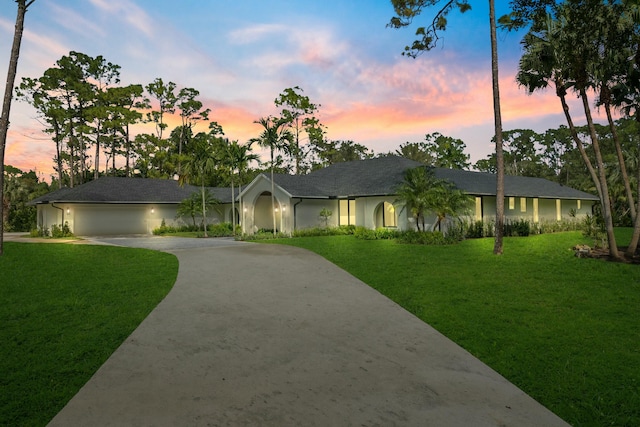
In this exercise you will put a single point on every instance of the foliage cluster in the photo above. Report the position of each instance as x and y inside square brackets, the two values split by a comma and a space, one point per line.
[264, 234]
[20, 188]
[88, 114]
[57, 231]
[455, 232]
[421, 192]
[377, 234]
[325, 231]
[520, 227]
[223, 229]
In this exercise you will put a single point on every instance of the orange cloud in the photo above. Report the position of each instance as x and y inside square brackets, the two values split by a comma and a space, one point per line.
[27, 151]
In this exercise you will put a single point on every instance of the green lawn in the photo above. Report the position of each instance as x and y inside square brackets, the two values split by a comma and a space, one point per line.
[64, 309]
[565, 330]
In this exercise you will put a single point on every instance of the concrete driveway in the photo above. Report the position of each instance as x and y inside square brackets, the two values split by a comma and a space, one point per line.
[270, 335]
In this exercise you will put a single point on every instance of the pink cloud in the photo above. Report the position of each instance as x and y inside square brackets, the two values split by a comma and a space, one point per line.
[27, 150]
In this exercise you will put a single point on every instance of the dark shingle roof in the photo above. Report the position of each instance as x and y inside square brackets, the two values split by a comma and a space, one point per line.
[382, 176]
[484, 183]
[360, 178]
[372, 177]
[129, 190]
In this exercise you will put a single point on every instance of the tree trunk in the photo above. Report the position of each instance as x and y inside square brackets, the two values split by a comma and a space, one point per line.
[58, 138]
[204, 210]
[240, 204]
[606, 203]
[96, 170]
[233, 207]
[127, 153]
[273, 201]
[635, 237]
[6, 103]
[574, 134]
[497, 248]
[623, 167]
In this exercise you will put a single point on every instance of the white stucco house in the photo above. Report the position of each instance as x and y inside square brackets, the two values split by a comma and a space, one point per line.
[360, 193]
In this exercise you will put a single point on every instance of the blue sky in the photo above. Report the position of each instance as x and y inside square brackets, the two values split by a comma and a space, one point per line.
[241, 55]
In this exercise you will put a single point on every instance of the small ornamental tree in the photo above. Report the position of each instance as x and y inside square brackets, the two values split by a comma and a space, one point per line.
[325, 214]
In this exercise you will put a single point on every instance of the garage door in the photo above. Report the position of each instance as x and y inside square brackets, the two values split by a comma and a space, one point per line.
[109, 220]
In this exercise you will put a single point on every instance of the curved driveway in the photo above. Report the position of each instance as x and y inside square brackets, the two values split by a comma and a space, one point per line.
[270, 335]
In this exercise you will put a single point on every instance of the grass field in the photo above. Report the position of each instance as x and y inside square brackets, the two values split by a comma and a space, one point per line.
[64, 309]
[565, 330]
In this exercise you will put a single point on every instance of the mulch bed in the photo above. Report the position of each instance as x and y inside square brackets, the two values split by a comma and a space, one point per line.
[603, 254]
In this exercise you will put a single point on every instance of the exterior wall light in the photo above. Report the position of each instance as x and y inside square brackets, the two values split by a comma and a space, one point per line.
[68, 210]
[153, 210]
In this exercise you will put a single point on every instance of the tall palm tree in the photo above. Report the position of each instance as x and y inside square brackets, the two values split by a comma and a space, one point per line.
[276, 137]
[243, 157]
[236, 157]
[198, 166]
[556, 53]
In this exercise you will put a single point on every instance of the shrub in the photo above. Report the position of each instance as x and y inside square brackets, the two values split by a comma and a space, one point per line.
[593, 228]
[164, 229]
[39, 232]
[422, 237]
[262, 234]
[223, 229]
[377, 234]
[475, 230]
[520, 228]
[58, 231]
[321, 231]
[456, 232]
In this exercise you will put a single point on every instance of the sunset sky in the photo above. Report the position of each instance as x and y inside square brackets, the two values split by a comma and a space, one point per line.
[241, 55]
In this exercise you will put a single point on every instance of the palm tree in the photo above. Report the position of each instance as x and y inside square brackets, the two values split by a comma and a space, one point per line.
[190, 207]
[412, 193]
[445, 200]
[196, 168]
[557, 54]
[236, 157]
[276, 137]
[243, 156]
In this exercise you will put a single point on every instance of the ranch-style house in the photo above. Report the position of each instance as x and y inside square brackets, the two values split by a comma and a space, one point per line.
[361, 193]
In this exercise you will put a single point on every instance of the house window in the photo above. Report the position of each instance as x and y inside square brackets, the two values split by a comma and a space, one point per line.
[347, 212]
[523, 204]
[579, 204]
[388, 215]
[512, 203]
[558, 209]
[535, 211]
[478, 208]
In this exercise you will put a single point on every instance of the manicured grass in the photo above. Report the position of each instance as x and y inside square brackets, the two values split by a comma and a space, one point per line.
[565, 330]
[64, 309]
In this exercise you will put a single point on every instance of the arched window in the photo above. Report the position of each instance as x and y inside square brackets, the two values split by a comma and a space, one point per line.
[385, 215]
